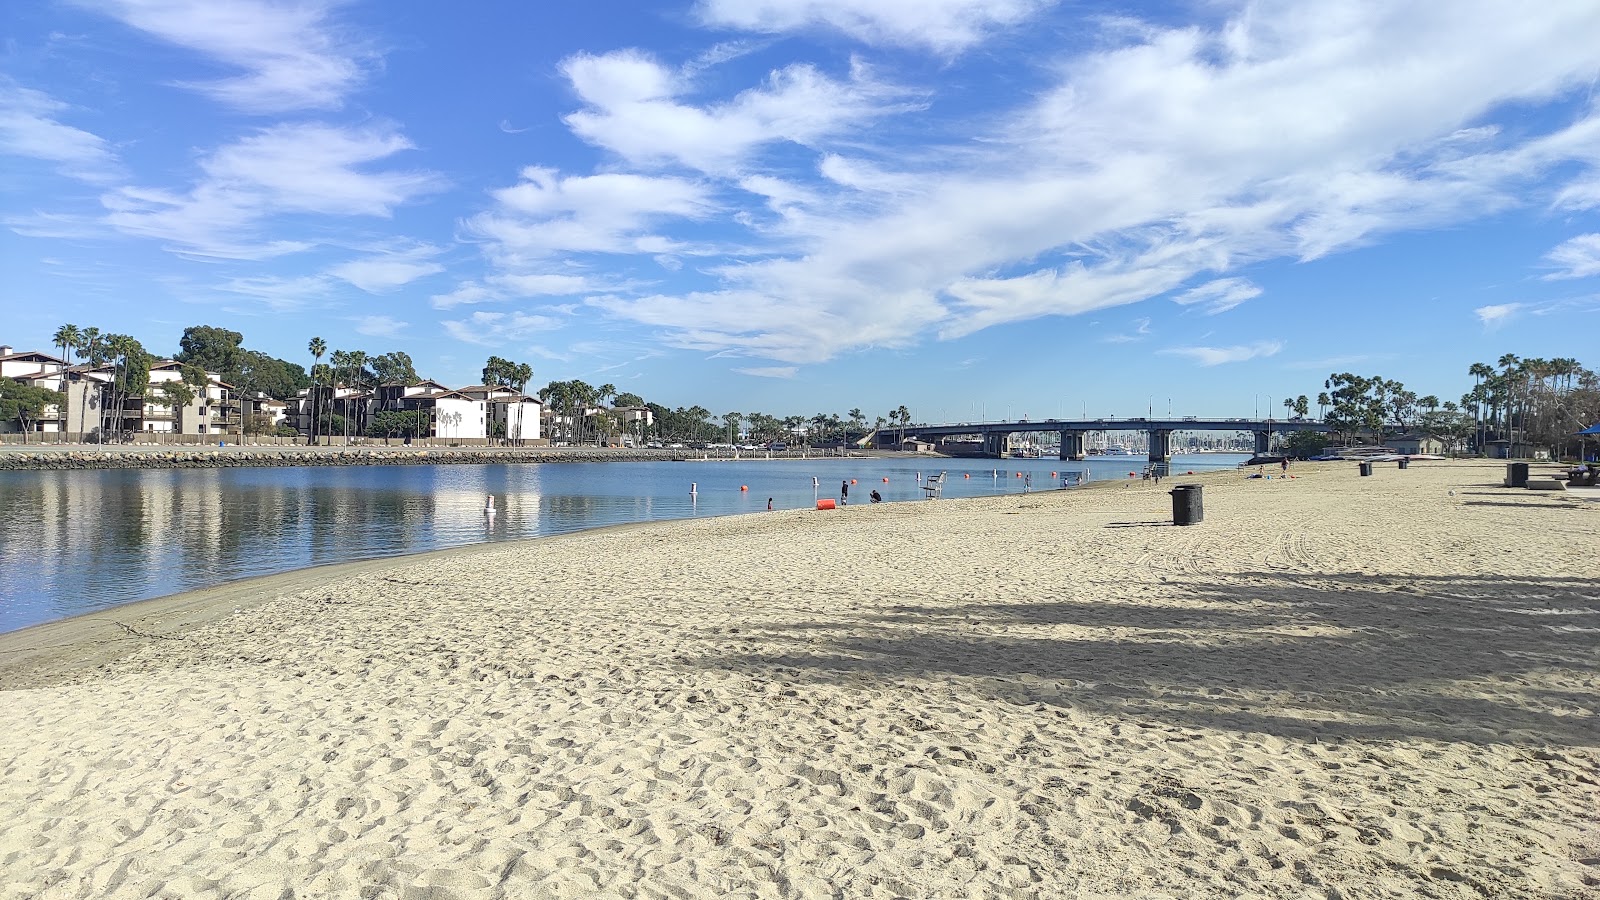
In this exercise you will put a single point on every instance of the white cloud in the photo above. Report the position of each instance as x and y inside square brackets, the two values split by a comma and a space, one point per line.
[304, 168]
[387, 271]
[633, 110]
[278, 295]
[291, 55]
[29, 128]
[493, 329]
[769, 371]
[1216, 356]
[1171, 154]
[1578, 257]
[941, 25]
[1220, 295]
[468, 292]
[544, 285]
[380, 326]
[544, 214]
[1497, 314]
[1141, 328]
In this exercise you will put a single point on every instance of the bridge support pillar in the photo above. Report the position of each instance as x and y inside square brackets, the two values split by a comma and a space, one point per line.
[1263, 443]
[996, 444]
[1072, 445]
[1160, 440]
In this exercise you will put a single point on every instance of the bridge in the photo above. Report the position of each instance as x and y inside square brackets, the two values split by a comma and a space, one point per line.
[996, 436]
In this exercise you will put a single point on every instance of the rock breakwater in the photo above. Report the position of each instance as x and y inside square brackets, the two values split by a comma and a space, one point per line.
[242, 457]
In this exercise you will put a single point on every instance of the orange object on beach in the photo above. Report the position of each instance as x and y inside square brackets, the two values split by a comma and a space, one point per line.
[826, 504]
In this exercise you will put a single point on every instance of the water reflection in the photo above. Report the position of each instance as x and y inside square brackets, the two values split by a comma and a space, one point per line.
[75, 542]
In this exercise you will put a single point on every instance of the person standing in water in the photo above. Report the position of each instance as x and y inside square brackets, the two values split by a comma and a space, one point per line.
[844, 492]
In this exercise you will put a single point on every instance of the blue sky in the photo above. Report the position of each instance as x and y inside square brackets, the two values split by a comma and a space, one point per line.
[969, 207]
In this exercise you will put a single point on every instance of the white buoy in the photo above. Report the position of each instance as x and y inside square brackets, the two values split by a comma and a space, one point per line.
[488, 507]
[694, 488]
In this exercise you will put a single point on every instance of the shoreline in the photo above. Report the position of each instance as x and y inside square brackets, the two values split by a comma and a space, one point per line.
[139, 619]
[1333, 686]
[73, 457]
[90, 640]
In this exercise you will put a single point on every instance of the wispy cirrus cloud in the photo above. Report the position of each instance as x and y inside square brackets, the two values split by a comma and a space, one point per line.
[1216, 356]
[380, 326]
[1141, 330]
[633, 107]
[386, 271]
[1577, 257]
[292, 55]
[1220, 295]
[304, 168]
[30, 127]
[769, 371]
[946, 26]
[495, 329]
[1164, 155]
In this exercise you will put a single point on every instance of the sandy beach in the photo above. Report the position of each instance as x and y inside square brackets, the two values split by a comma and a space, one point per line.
[1334, 686]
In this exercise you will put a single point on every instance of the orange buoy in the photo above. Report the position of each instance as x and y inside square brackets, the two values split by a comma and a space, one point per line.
[826, 503]
[1132, 475]
[1052, 474]
[852, 481]
[744, 487]
[885, 479]
[968, 475]
[1190, 472]
[1019, 474]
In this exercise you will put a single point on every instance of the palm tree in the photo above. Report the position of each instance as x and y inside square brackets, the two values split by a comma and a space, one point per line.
[358, 377]
[1480, 374]
[88, 346]
[317, 347]
[66, 337]
[340, 360]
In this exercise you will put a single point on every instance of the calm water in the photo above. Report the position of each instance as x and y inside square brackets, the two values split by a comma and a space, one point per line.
[76, 542]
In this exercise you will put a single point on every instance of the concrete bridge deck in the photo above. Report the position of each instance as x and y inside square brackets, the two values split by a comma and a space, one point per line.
[996, 435]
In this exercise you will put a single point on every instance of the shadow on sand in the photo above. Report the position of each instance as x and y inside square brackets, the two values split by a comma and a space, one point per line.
[1330, 656]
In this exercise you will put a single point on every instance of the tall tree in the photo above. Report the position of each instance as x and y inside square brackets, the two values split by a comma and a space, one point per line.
[130, 375]
[67, 338]
[214, 350]
[277, 378]
[317, 347]
[394, 367]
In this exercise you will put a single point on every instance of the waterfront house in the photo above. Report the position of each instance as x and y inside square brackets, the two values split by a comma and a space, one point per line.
[1413, 444]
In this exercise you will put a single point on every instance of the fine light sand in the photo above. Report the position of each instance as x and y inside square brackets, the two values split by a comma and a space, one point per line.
[1333, 687]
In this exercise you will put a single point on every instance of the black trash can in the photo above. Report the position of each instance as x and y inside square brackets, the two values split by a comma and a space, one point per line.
[1404, 462]
[1366, 468]
[1517, 474]
[1186, 506]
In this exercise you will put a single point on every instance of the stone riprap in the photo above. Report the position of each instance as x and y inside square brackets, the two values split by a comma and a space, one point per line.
[237, 457]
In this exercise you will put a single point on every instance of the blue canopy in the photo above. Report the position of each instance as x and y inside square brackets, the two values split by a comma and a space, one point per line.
[1592, 429]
